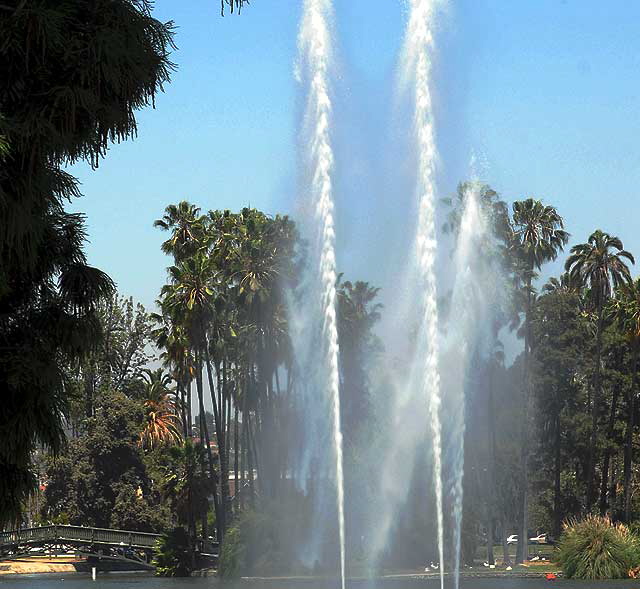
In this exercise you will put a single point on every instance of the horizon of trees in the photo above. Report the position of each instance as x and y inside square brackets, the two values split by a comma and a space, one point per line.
[222, 331]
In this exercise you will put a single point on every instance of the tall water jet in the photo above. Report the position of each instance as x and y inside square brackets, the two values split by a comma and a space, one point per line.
[465, 313]
[315, 58]
[417, 69]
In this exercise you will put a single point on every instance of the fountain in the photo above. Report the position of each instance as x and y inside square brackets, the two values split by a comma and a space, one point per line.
[466, 311]
[315, 49]
[416, 396]
[418, 50]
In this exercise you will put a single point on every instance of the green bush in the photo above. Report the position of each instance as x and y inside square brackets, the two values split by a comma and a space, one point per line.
[174, 557]
[232, 554]
[261, 542]
[596, 549]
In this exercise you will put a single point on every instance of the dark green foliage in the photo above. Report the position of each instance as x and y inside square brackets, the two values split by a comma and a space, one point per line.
[102, 479]
[265, 540]
[232, 555]
[72, 75]
[174, 557]
[595, 548]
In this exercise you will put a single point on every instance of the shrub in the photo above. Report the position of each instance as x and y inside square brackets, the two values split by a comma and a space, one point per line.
[231, 554]
[594, 548]
[174, 557]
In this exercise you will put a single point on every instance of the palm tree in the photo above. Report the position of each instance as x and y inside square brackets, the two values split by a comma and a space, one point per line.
[170, 337]
[626, 310]
[187, 231]
[357, 315]
[538, 237]
[186, 485]
[190, 302]
[161, 420]
[601, 266]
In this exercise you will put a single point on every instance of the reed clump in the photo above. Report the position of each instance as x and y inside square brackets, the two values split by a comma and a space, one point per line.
[596, 548]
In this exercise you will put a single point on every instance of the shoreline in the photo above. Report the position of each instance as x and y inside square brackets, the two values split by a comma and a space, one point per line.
[36, 565]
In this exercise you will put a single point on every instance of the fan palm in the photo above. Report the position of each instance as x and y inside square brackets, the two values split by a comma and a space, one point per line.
[186, 484]
[601, 266]
[186, 227]
[538, 236]
[190, 301]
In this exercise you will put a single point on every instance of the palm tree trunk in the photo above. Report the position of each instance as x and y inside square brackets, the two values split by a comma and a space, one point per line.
[224, 469]
[591, 468]
[491, 430]
[183, 411]
[557, 469]
[604, 487]
[190, 409]
[250, 461]
[236, 452]
[628, 446]
[522, 553]
[506, 558]
[224, 451]
[220, 522]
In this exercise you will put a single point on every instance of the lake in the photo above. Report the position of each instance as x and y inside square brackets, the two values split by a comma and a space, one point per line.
[117, 581]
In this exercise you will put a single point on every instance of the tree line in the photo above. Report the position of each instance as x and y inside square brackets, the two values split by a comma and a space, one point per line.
[551, 436]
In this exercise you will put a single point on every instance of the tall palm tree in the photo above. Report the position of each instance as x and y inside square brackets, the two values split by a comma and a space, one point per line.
[186, 226]
[170, 337]
[357, 315]
[626, 310]
[161, 420]
[186, 485]
[538, 237]
[601, 266]
[190, 302]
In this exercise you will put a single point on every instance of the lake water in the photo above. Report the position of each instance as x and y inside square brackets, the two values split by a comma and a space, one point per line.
[144, 582]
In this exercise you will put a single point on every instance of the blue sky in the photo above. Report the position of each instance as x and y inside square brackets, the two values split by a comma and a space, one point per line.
[546, 94]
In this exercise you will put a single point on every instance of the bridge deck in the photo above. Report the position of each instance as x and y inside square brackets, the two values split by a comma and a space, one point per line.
[77, 535]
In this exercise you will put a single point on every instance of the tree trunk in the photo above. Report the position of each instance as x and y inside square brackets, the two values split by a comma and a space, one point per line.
[557, 513]
[613, 487]
[220, 522]
[183, 411]
[491, 451]
[224, 475]
[236, 451]
[522, 553]
[628, 446]
[604, 487]
[224, 449]
[591, 469]
[190, 409]
[250, 462]
[506, 558]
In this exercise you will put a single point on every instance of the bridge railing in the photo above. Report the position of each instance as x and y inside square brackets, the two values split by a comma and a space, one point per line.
[79, 534]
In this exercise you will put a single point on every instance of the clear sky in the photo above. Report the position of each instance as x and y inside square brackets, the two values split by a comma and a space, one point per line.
[545, 93]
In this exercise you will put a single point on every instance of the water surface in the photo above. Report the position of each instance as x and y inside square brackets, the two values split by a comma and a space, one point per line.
[118, 581]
